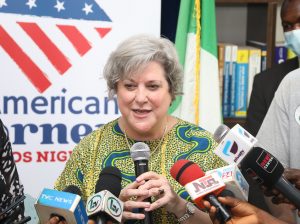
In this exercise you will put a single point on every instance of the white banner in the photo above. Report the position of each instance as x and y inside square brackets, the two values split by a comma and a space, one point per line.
[51, 91]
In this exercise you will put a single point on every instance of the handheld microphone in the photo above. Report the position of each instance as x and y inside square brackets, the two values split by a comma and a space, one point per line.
[200, 186]
[266, 169]
[234, 144]
[234, 180]
[66, 205]
[140, 153]
[17, 201]
[105, 205]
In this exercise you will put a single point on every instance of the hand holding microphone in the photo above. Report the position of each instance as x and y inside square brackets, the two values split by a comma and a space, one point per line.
[148, 184]
[199, 186]
[242, 213]
[236, 145]
[293, 175]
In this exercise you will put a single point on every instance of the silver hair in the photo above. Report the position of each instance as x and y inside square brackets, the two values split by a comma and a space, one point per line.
[135, 53]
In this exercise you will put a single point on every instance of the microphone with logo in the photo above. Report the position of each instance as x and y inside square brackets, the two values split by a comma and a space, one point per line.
[12, 212]
[105, 206]
[67, 205]
[140, 153]
[234, 180]
[234, 144]
[266, 169]
[200, 186]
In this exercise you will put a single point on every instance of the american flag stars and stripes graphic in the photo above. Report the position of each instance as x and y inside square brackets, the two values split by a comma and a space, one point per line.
[66, 17]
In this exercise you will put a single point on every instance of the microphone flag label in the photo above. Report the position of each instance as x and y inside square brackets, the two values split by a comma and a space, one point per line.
[267, 162]
[106, 202]
[68, 205]
[235, 145]
[203, 186]
[114, 207]
[234, 180]
[94, 202]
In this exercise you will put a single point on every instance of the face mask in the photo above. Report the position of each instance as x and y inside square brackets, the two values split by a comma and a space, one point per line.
[292, 39]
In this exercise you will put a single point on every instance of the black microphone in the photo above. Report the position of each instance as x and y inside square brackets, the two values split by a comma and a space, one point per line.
[140, 153]
[105, 205]
[266, 169]
[12, 207]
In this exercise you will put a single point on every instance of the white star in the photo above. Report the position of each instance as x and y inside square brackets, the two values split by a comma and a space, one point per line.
[87, 8]
[59, 5]
[31, 3]
[2, 3]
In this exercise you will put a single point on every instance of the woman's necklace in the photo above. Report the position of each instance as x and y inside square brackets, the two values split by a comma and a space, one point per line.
[159, 144]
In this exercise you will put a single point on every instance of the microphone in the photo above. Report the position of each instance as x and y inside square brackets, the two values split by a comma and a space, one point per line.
[140, 154]
[105, 205]
[11, 213]
[266, 169]
[67, 205]
[234, 180]
[234, 144]
[200, 186]
[8, 211]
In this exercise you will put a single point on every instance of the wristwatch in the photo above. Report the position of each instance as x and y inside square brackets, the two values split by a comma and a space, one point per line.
[190, 211]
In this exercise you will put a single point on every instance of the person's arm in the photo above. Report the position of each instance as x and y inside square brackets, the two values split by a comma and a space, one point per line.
[292, 175]
[10, 181]
[242, 213]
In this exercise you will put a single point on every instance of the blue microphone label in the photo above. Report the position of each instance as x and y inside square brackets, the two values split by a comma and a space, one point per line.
[57, 199]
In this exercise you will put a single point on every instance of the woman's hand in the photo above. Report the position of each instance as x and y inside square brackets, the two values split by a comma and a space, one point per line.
[133, 197]
[159, 187]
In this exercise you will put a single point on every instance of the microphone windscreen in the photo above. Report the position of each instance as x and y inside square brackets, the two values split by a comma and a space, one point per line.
[140, 151]
[259, 162]
[73, 189]
[220, 133]
[109, 179]
[185, 171]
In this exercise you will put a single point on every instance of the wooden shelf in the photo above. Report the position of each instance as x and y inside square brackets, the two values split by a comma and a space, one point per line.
[247, 1]
[230, 122]
[261, 22]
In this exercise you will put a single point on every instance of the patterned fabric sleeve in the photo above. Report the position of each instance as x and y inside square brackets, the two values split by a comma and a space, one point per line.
[78, 167]
[10, 186]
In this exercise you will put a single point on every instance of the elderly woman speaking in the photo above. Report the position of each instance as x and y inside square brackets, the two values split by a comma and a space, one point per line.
[145, 75]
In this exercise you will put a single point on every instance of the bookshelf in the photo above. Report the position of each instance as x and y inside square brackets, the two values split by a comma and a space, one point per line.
[242, 20]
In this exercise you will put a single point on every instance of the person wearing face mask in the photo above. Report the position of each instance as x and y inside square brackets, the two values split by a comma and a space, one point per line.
[280, 130]
[266, 83]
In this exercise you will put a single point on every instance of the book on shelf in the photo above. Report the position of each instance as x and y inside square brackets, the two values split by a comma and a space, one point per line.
[233, 63]
[241, 82]
[290, 54]
[263, 47]
[226, 80]
[254, 68]
[221, 50]
[280, 53]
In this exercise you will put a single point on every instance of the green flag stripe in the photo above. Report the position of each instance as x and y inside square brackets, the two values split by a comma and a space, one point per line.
[208, 27]
[183, 27]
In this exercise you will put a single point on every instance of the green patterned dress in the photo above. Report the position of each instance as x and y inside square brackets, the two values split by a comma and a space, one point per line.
[107, 147]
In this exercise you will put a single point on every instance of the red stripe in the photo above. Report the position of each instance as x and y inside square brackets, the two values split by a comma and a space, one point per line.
[34, 74]
[103, 31]
[80, 43]
[55, 56]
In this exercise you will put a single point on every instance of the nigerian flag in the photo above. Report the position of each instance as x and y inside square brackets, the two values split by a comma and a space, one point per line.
[196, 43]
